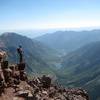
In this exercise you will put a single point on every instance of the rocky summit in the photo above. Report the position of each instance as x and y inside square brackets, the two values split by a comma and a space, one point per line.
[15, 85]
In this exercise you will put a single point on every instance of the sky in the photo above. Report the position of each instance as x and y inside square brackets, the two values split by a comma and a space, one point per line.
[48, 14]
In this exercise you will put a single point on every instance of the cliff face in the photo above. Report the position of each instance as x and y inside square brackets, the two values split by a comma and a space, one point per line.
[40, 88]
[15, 85]
[32, 91]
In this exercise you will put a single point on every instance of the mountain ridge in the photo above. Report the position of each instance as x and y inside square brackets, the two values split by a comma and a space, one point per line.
[67, 41]
[35, 52]
[81, 68]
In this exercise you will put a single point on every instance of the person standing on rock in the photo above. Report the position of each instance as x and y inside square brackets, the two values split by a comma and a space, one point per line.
[20, 53]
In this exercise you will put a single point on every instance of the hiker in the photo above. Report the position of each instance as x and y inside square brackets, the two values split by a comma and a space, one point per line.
[20, 53]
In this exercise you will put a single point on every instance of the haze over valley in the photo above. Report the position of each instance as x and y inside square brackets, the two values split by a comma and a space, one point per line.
[59, 38]
[73, 60]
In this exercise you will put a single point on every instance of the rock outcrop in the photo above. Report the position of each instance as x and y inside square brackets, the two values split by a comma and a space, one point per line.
[14, 85]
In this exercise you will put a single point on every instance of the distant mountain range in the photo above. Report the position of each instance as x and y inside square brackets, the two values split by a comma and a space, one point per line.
[81, 60]
[67, 41]
[81, 68]
[72, 56]
[35, 53]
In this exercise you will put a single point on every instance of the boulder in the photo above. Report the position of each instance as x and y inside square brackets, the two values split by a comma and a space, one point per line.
[46, 81]
[21, 66]
[22, 94]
